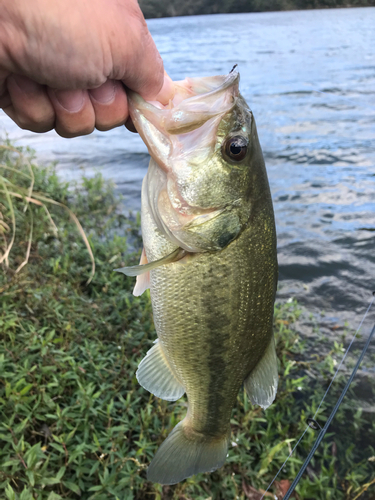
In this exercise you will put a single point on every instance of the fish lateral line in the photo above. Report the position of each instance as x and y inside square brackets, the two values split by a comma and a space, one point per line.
[175, 256]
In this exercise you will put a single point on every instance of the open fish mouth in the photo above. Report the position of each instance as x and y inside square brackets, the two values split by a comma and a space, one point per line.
[188, 121]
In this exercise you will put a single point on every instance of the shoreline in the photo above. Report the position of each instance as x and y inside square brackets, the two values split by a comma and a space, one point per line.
[153, 10]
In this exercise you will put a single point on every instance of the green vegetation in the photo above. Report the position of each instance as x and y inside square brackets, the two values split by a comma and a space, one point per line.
[74, 423]
[170, 8]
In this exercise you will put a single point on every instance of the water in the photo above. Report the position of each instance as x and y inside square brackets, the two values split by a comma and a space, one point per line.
[309, 78]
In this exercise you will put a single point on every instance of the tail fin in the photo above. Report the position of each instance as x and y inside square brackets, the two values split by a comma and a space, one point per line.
[186, 452]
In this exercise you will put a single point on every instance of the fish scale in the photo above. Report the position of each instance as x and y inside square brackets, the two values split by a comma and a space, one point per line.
[212, 379]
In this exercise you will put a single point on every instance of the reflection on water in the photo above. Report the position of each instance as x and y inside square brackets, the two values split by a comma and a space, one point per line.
[309, 77]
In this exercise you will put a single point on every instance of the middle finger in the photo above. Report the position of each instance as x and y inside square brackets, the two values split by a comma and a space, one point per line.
[74, 112]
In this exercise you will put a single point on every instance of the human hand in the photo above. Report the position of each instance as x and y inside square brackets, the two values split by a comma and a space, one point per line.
[64, 64]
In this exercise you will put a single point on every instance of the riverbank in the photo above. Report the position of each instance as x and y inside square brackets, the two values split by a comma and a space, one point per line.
[155, 9]
[74, 422]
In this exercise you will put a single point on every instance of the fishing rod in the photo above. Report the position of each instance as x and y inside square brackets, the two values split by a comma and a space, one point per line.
[330, 418]
[311, 422]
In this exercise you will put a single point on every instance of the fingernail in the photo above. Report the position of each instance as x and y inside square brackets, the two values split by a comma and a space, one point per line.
[105, 93]
[25, 84]
[71, 100]
[167, 91]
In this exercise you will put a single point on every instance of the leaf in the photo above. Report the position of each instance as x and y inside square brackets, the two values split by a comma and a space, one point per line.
[57, 447]
[96, 440]
[61, 473]
[47, 481]
[96, 488]
[54, 496]
[26, 495]
[10, 462]
[30, 475]
[268, 459]
[9, 491]
[26, 389]
[72, 486]
[34, 455]
[94, 468]
[31, 457]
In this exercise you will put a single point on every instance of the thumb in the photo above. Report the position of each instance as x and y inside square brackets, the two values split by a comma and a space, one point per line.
[167, 90]
[164, 96]
[144, 70]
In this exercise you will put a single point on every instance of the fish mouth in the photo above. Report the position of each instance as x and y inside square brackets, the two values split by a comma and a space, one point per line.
[171, 131]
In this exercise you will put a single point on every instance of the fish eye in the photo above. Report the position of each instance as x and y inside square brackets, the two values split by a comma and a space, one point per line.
[236, 147]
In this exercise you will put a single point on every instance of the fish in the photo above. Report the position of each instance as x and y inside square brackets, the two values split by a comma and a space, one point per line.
[210, 262]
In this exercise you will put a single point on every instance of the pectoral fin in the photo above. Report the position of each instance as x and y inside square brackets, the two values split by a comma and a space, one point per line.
[261, 384]
[156, 375]
[176, 255]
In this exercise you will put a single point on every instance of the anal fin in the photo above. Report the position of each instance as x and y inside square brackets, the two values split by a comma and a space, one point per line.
[156, 375]
[261, 384]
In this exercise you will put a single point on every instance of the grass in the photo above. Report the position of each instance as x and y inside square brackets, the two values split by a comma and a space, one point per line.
[74, 423]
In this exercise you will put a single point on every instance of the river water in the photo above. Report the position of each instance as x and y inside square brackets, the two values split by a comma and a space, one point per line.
[309, 78]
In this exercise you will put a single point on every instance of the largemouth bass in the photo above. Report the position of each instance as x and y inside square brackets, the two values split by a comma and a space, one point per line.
[210, 262]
